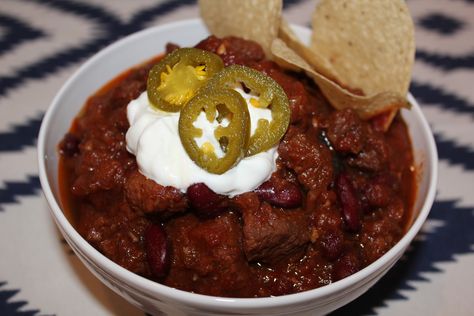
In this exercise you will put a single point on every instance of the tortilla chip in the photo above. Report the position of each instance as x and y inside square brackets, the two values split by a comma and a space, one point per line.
[256, 20]
[340, 98]
[369, 43]
[317, 62]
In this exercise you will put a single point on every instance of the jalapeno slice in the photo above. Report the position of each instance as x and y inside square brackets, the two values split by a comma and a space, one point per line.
[225, 112]
[176, 78]
[268, 94]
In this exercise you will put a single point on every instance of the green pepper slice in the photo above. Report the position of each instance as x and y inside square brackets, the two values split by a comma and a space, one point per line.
[226, 111]
[176, 78]
[270, 95]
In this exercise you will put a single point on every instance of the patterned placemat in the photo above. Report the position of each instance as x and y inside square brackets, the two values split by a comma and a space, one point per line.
[42, 42]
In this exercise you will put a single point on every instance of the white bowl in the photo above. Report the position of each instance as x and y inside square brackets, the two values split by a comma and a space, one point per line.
[156, 298]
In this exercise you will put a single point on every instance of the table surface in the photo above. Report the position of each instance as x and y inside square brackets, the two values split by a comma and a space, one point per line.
[43, 42]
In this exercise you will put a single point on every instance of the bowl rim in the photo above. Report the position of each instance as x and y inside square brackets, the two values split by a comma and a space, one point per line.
[168, 293]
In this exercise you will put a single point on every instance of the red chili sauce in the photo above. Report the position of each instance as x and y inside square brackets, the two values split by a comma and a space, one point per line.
[341, 196]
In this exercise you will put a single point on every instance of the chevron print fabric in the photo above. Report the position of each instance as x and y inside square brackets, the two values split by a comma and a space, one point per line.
[42, 43]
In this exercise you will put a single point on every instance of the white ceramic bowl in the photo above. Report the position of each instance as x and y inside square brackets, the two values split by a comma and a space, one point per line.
[156, 298]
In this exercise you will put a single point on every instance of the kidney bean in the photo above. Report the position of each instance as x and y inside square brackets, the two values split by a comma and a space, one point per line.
[332, 244]
[205, 202]
[349, 202]
[157, 250]
[280, 193]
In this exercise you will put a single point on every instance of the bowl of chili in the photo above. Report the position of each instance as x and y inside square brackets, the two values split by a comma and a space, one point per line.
[154, 297]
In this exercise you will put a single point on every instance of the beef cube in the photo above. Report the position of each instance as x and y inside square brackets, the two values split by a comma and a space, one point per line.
[207, 256]
[308, 158]
[365, 147]
[270, 234]
[345, 131]
[116, 232]
[149, 197]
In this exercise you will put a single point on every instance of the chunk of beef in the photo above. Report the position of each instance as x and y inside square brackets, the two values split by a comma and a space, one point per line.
[378, 190]
[348, 263]
[116, 232]
[102, 160]
[207, 256]
[128, 92]
[325, 213]
[171, 47]
[69, 145]
[373, 156]
[327, 223]
[379, 233]
[345, 130]
[365, 147]
[300, 101]
[103, 173]
[233, 50]
[148, 196]
[308, 158]
[270, 234]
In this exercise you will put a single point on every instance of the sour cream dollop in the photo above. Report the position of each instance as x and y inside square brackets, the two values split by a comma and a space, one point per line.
[154, 139]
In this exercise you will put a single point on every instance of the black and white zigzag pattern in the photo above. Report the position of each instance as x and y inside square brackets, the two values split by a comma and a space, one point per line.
[43, 41]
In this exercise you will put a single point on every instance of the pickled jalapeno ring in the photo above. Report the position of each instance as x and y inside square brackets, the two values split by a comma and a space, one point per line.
[227, 113]
[177, 77]
[269, 95]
